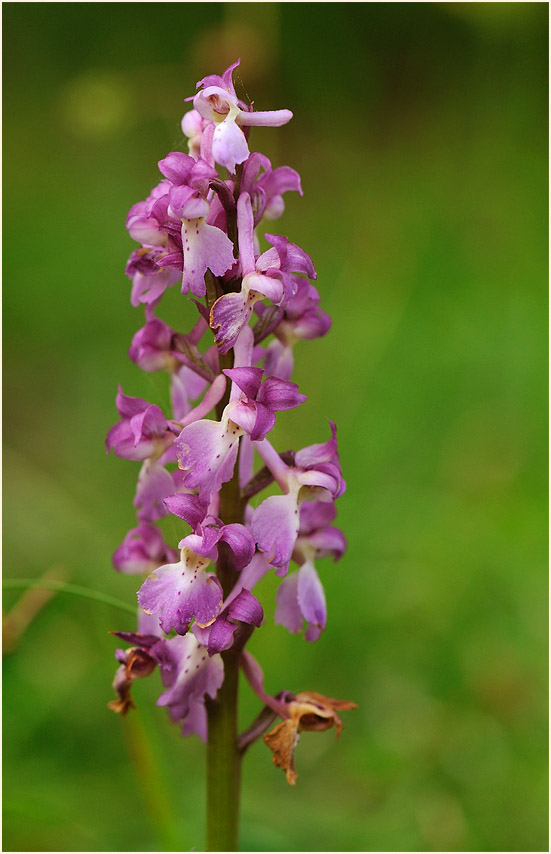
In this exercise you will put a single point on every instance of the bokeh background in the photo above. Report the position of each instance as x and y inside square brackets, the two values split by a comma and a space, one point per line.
[420, 132]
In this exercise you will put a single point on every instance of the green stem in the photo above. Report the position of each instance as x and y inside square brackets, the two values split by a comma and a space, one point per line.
[223, 762]
[63, 587]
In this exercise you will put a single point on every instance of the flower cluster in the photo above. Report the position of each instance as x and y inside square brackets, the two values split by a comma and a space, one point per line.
[204, 462]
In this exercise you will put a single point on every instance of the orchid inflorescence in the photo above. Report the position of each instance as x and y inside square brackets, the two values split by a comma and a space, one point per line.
[197, 605]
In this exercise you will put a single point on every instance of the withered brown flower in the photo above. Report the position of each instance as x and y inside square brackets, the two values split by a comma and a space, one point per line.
[308, 711]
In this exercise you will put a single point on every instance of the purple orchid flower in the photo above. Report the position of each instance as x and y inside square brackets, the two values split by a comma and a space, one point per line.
[143, 432]
[266, 189]
[183, 591]
[143, 550]
[151, 347]
[301, 595]
[187, 671]
[189, 674]
[150, 277]
[255, 409]
[275, 523]
[270, 276]
[218, 103]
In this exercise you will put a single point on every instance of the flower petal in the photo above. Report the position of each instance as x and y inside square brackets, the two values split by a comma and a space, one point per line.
[203, 246]
[241, 543]
[248, 379]
[207, 451]
[180, 593]
[154, 484]
[288, 612]
[246, 608]
[187, 506]
[189, 674]
[279, 394]
[274, 526]
[229, 314]
[229, 145]
[311, 600]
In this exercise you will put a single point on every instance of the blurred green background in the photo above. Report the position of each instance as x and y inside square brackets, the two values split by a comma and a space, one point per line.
[420, 133]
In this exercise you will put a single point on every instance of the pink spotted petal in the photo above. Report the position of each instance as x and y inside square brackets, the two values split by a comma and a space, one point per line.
[203, 246]
[207, 451]
[179, 594]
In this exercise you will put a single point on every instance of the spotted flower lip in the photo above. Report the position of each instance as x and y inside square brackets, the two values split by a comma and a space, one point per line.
[207, 452]
[181, 592]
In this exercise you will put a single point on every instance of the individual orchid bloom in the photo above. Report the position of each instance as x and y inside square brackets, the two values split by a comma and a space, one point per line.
[203, 245]
[218, 103]
[275, 523]
[270, 276]
[143, 550]
[189, 674]
[254, 410]
[187, 671]
[266, 189]
[196, 244]
[151, 347]
[301, 595]
[143, 432]
[185, 590]
[150, 278]
[154, 484]
[145, 220]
